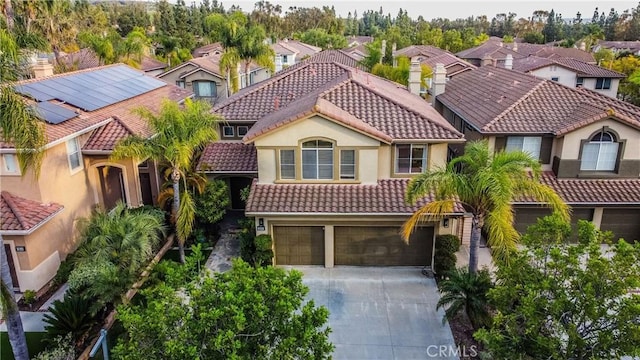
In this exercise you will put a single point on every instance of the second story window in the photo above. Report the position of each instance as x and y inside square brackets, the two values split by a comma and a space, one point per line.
[527, 144]
[600, 153]
[347, 164]
[603, 83]
[317, 160]
[205, 89]
[74, 155]
[287, 164]
[228, 131]
[242, 130]
[579, 81]
[10, 164]
[410, 159]
[180, 84]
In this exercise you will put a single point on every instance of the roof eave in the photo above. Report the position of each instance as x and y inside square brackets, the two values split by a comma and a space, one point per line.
[33, 228]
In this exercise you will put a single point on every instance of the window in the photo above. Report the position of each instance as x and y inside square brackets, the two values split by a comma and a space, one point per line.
[347, 164]
[411, 159]
[528, 144]
[317, 160]
[287, 164]
[228, 131]
[600, 153]
[73, 152]
[285, 59]
[603, 83]
[205, 89]
[180, 83]
[579, 81]
[555, 78]
[242, 130]
[10, 164]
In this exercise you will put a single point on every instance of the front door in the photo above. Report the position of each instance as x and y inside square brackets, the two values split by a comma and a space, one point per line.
[112, 186]
[145, 188]
[236, 185]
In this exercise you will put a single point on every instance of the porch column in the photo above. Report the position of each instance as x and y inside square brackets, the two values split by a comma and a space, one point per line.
[328, 246]
[597, 217]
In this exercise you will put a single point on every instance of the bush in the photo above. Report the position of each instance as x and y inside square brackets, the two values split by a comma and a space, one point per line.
[62, 348]
[247, 235]
[212, 204]
[29, 297]
[62, 275]
[263, 255]
[70, 316]
[444, 258]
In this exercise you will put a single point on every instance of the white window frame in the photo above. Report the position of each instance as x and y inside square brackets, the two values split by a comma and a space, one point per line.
[10, 167]
[600, 149]
[579, 81]
[529, 144]
[318, 165]
[344, 176]
[606, 84]
[224, 132]
[293, 164]
[70, 152]
[245, 128]
[411, 159]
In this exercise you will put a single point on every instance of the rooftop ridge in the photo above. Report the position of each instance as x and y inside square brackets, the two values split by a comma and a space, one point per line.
[8, 198]
[516, 103]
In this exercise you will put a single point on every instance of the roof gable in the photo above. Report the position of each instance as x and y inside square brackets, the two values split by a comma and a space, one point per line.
[21, 215]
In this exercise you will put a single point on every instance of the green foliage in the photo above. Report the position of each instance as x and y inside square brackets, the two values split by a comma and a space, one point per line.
[244, 313]
[247, 235]
[61, 348]
[212, 204]
[175, 274]
[465, 293]
[70, 316]
[400, 73]
[264, 254]
[629, 89]
[374, 55]
[29, 297]
[322, 39]
[557, 300]
[244, 194]
[444, 258]
[533, 37]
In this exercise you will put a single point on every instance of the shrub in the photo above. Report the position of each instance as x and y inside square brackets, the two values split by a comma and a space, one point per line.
[62, 348]
[263, 255]
[466, 293]
[444, 258]
[211, 205]
[29, 297]
[247, 235]
[70, 316]
[62, 275]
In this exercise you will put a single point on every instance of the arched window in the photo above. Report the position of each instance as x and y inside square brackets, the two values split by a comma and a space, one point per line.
[317, 159]
[600, 153]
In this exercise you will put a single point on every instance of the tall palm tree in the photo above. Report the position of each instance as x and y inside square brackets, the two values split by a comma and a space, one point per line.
[54, 21]
[253, 49]
[485, 184]
[179, 134]
[21, 127]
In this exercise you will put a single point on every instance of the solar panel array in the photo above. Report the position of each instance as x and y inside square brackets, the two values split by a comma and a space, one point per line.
[54, 114]
[88, 91]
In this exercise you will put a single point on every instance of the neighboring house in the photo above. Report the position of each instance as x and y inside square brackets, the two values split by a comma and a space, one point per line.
[354, 40]
[210, 49]
[87, 59]
[85, 113]
[572, 73]
[632, 47]
[333, 149]
[587, 142]
[356, 46]
[497, 51]
[430, 56]
[290, 52]
[203, 76]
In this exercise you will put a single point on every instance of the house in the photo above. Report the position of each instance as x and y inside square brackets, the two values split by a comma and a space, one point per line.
[84, 113]
[356, 46]
[572, 73]
[586, 142]
[431, 55]
[203, 76]
[289, 52]
[87, 59]
[209, 49]
[334, 149]
[497, 51]
[632, 47]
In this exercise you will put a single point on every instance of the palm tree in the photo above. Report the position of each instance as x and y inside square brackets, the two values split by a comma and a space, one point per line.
[54, 21]
[179, 134]
[21, 127]
[466, 292]
[486, 184]
[253, 49]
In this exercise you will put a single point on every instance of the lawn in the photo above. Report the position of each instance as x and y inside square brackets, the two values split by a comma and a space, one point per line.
[34, 343]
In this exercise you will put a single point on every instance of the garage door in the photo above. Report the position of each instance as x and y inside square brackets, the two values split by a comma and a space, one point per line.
[299, 245]
[624, 223]
[381, 246]
[525, 217]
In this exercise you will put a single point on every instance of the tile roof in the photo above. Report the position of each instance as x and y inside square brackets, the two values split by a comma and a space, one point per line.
[385, 197]
[420, 50]
[87, 59]
[581, 68]
[122, 110]
[452, 64]
[106, 137]
[621, 45]
[496, 100]
[370, 104]
[149, 64]
[288, 47]
[499, 50]
[594, 191]
[339, 56]
[210, 63]
[229, 157]
[20, 214]
[207, 49]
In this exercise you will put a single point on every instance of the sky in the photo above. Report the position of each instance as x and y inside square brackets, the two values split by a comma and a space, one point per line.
[451, 9]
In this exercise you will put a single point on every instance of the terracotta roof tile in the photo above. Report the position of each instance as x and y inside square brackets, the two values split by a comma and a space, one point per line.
[207, 49]
[426, 51]
[581, 68]
[19, 214]
[106, 137]
[621, 45]
[87, 59]
[496, 100]
[149, 64]
[499, 50]
[386, 197]
[229, 157]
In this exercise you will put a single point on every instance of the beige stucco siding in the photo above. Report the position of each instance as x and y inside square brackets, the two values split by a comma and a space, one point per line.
[570, 146]
[565, 76]
[130, 174]
[590, 83]
[266, 166]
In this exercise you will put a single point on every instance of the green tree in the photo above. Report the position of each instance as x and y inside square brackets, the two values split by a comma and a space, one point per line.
[374, 55]
[628, 90]
[534, 37]
[54, 21]
[486, 185]
[320, 38]
[244, 313]
[557, 300]
[179, 133]
[212, 204]
[400, 73]
[465, 293]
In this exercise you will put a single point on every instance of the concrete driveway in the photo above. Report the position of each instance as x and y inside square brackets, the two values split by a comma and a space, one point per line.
[381, 313]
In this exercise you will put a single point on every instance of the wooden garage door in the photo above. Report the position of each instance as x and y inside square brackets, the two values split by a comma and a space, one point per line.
[525, 217]
[299, 245]
[624, 223]
[381, 246]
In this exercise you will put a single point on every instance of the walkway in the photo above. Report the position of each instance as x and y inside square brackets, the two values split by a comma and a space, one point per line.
[228, 246]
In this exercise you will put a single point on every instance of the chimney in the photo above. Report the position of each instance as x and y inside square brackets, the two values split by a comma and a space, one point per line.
[583, 46]
[438, 83]
[515, 46]
[415, 76]
[508, 62]
[383, 50]
[486, 61]
[42, 68]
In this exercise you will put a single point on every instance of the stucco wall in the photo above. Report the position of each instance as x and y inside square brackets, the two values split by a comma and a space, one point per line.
[565, 76]
[570, 148]
[129, 168]
[590, 83]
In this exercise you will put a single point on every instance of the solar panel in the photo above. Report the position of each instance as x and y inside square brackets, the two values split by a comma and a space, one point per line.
[54, 114]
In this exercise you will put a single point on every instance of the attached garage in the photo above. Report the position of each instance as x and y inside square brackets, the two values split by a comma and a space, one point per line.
[299, 245]
[525, 217]
[381, 246]
[624, 223]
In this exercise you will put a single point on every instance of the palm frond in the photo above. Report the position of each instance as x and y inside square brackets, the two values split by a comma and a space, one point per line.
[431, 211]
[186, 216]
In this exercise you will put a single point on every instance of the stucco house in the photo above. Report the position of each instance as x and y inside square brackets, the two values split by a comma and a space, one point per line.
[332, 149]
[586, 142]
[617, 47]
[87, 59]
[431, 55]
[85, 113]
[290, 52]
[202, 76]
[572, 73]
